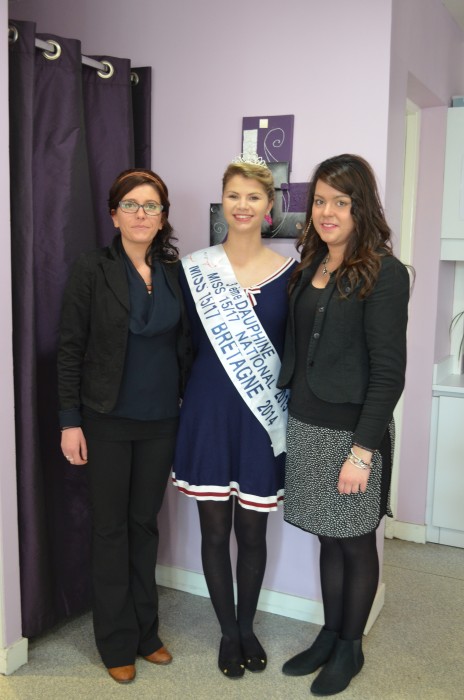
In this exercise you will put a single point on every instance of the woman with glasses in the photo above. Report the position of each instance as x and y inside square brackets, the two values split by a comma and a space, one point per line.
[122, 363]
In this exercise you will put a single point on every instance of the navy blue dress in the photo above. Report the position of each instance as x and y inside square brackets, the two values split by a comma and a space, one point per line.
[222, 449]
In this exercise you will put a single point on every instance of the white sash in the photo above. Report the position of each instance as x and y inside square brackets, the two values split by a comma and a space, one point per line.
[238, 338]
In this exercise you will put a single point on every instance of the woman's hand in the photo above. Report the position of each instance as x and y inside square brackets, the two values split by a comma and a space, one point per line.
[74, 446]
[352, 479]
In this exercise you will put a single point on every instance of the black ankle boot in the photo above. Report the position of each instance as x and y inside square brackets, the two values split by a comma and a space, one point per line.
[346, 661]
[311, 659]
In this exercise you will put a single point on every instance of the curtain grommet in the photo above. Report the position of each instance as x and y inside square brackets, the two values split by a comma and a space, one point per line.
[57, 52]
[108, 73]
[13, 34]
[134, 78]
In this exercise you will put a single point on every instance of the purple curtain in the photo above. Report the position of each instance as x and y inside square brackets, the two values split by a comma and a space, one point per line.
[141, 108]
[106, 99]
[71, 133]
[110, 149]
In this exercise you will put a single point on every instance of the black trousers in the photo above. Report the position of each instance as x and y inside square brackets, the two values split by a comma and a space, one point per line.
[128, 480]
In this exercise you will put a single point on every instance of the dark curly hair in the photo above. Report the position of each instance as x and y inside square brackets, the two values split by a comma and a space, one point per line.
[371, 237]
[162, 247]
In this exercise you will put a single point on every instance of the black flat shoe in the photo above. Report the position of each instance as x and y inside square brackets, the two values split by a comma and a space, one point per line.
[255, 663]
[230, 667]
[255, 656]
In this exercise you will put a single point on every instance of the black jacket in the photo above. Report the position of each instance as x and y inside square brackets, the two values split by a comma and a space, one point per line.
[357, 351]
[94, 331]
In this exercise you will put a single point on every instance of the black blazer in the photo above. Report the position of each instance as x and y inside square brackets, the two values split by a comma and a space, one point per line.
[94, 331]
[357, 351]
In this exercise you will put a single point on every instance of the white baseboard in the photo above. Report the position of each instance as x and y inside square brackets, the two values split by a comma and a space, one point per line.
[292, 606]
[440, 535]
[405, 531]
[13, 657]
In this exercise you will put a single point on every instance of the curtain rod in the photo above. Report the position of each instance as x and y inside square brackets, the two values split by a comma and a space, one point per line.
[52, 51]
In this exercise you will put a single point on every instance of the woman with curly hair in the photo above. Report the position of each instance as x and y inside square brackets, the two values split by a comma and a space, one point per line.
[122, 363]
[344, 362]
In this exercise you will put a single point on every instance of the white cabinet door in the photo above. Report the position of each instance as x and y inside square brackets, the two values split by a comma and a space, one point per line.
[448, 498]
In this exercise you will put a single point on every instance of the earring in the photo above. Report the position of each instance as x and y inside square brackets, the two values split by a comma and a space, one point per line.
[306, 231]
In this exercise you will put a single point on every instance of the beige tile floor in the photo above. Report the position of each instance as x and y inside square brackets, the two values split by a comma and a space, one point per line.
[415, 651]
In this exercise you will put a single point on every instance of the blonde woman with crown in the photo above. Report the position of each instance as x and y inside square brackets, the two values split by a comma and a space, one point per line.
[231, 445]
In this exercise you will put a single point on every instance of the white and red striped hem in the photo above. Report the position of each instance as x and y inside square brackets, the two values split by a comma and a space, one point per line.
[262, 504]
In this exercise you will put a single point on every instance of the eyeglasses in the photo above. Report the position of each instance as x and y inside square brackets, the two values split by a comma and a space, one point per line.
[128, 206]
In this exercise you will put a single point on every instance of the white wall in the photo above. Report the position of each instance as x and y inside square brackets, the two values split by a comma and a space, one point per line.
[12, 647]
[427, 67]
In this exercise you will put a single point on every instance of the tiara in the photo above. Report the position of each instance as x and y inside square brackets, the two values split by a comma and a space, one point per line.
[250, 158]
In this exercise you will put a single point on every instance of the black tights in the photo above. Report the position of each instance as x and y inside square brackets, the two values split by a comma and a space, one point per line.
[349, 578]
[216, 519]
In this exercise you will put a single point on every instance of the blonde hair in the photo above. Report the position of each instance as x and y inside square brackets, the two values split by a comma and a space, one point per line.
[261, 173]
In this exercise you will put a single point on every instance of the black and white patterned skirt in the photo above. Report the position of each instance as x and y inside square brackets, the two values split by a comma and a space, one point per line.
[312, 502]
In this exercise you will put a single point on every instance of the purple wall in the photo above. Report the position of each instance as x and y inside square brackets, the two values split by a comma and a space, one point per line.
[204, 83]
[423, 315]
[345, 82]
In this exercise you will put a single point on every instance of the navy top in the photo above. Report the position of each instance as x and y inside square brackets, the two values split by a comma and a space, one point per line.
[222, 448]
[150, 380]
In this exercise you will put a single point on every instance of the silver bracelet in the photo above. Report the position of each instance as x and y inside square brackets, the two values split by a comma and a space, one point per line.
[357, 461]
[355, 464]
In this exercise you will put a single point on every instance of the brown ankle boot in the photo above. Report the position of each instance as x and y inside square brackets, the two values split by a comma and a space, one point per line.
[122, 674]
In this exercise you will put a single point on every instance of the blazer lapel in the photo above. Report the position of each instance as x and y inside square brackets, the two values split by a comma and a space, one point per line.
[115, 275]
